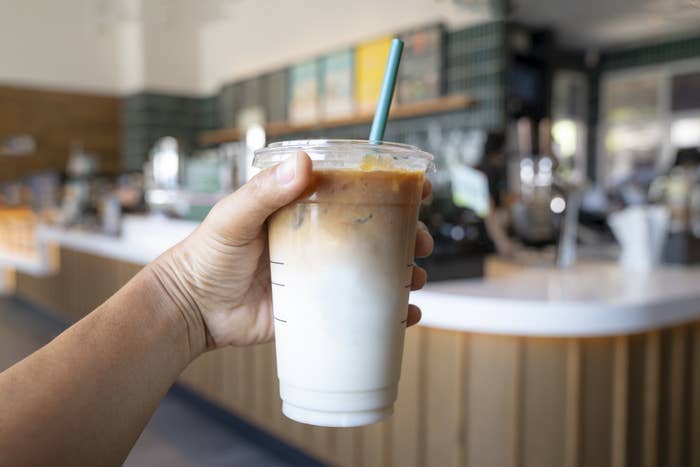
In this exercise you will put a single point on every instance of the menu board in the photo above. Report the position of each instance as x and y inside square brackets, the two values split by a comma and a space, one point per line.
[370, 62]
[304, 92]
[338, 92]
[420, 73]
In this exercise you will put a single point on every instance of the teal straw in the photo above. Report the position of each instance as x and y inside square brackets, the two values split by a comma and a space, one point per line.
[381, 113]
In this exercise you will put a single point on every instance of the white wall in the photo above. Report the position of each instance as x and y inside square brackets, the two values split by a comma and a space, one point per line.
[51, 44]
[171, 41]
[122, 46]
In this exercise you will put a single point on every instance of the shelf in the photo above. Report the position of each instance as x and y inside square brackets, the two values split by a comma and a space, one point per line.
[433, 106]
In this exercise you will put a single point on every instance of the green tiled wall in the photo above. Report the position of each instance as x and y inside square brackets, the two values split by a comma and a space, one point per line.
[475, 64]
[666, 51]
[147, 116]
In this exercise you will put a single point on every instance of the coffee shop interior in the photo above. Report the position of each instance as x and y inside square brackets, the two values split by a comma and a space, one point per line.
[561, 318]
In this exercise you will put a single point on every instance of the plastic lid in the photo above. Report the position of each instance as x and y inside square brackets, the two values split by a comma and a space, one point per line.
[345, 153]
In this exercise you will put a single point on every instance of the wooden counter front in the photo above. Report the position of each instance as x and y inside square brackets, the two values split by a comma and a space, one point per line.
[464, 399]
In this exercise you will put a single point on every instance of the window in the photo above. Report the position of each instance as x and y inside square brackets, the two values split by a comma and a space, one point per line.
[646, 115]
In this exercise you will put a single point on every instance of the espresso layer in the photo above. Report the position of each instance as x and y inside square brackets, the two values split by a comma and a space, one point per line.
[364, 186]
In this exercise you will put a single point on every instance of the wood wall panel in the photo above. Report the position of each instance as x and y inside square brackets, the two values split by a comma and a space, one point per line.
[407, 431]
[543, 402]
[465, 399]
[572, 410]
[596, 399]
[56, 120]
[493, 393]
[693, 440]
[443, 401]
[676, 397]
[620, 390]
[650, 409]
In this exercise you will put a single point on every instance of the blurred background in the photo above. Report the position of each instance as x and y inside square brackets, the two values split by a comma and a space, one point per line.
[566, 137]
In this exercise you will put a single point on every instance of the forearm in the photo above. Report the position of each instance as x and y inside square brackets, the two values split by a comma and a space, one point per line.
[85, 397]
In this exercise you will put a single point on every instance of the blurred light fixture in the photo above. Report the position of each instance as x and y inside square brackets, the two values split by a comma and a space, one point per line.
[564, 135]
[255, 138]
[557, 205]
[457, 233]
[685, 132]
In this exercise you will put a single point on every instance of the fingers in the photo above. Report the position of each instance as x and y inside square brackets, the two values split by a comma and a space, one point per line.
[413, 315]
[418, 278]
[427, 189]
[239, 217]
[424, 241]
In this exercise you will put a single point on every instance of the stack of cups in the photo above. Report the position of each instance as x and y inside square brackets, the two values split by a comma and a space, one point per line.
[641, 232]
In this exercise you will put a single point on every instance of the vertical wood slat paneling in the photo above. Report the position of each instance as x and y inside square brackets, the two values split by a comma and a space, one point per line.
[469, 413]
[214, 363]
[278, 419]
[596, 399]
[347, 447]
[543, 395]
[637, 353]
[321, 442]
[620, 390]
[493, 394]
[651, 399]
[57, 120]
[228, 378]
[676, 396]
[694, 441]
[572, 411]
[406, 436]
[443, 398]
[263, 401]
[374, 445]
[245, 386]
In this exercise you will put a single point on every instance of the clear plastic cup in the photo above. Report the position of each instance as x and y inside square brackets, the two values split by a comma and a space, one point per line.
[341, 260]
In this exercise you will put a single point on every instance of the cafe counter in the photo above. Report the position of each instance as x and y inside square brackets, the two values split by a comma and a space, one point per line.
[590, 366]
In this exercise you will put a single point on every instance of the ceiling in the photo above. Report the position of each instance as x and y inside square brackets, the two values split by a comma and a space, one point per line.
[608, 23]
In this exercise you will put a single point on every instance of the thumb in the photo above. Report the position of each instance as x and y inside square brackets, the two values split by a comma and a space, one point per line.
[239, 217]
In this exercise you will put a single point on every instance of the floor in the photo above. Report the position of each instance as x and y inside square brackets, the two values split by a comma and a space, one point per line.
[180, 434]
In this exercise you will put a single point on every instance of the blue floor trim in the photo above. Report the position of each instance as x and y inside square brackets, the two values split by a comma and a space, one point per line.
[252, 433]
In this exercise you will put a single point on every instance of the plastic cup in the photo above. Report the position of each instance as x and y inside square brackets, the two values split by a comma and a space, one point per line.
[341, 260]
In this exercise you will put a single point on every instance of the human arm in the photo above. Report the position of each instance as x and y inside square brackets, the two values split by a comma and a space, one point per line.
[85, 397]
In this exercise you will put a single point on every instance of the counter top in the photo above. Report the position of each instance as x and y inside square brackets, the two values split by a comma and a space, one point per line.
[143, 238]
[591, 299]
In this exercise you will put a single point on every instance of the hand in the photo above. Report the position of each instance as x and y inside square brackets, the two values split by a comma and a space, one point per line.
[219, 277]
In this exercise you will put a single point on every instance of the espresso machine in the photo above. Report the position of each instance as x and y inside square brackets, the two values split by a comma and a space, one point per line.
[534, 213]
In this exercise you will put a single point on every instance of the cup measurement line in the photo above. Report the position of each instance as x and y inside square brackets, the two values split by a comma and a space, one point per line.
[277, 262]
[280, 320]
[277, 284]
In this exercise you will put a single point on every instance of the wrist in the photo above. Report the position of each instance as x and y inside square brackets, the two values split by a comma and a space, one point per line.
[170, 292]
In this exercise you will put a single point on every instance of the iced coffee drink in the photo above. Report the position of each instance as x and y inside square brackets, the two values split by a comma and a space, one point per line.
[341, 259]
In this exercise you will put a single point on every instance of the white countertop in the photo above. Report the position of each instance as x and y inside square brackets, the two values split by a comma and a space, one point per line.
[143, 238]
[591, 299]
